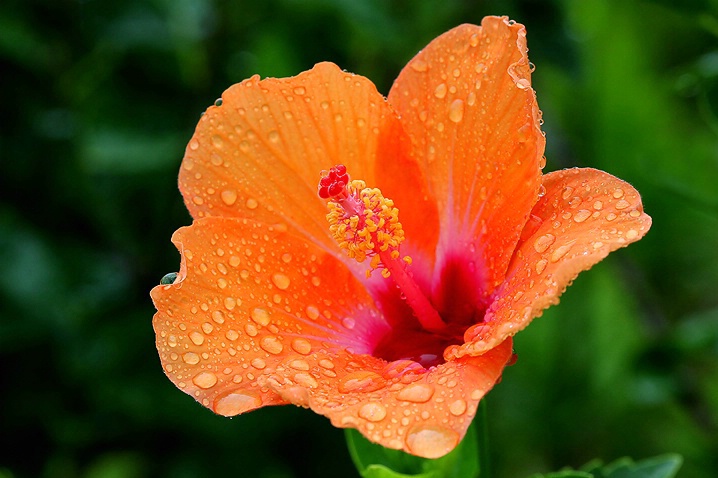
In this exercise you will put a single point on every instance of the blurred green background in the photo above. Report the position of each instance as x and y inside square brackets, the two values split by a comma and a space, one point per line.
[99, 98]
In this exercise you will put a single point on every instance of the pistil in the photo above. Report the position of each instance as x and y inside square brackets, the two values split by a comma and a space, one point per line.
[366, 225]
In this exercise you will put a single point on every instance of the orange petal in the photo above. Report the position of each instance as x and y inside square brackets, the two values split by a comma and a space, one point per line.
[584, 215]
[467, 104]
[259, 154]
[247, 297]
[398, 404]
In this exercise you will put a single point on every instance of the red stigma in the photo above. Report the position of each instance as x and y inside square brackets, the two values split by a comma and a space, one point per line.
[333, 183]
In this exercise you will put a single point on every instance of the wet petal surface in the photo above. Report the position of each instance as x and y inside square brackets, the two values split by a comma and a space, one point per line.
[247, 297]
[468, 107]
[584, 215]
[259, 154]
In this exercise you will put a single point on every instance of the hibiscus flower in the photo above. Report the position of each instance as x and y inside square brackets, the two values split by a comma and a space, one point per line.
[386, 302]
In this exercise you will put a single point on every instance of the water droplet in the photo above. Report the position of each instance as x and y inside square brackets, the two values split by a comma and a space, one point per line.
[567, 191]
[456, 111]
[222, 283]
[372, 411]
[260, 316]
[622, 204]
[348, 322]
[168, 278]
[542, 243]
[456, 73]
[281, 281]
[523, 83]
[232, 335]
[541, 191]
[326, 363]
[273, 136]
[361, 381]
[474, 39]
[618, 193]
[230, 303]
[560, 252]
[299, 90]
[305, 380]
[207, 328]
[205, 380]
[458, 407]
[312, 312]
[419, 65]
[198, 200]
[302, 346]
[440, 91]
[631, 234]
[299, 364]
[251, 329]
[582, 215]
[190, 358]
[251, 203]
[196, 338]
[271, 344]
[541, 266]
[431, 441]
[598, 205]
[258, 363]
[610, 216]
[235, 403]
[417, 393]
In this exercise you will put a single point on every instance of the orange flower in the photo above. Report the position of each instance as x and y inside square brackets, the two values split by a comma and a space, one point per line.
[271, 306]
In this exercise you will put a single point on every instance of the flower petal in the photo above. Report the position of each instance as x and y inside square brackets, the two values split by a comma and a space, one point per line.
[584, 215]
[467, 104]
[248, 296]
[259, 154]
[397, 404]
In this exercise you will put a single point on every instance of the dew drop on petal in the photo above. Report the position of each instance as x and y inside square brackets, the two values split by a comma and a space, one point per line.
[260, 316]
[431, 441]
[417, 393]
[271, 344]
[419, 65]
[373, 412]
[440, 91]
[622, 204]
[348, 322]
[251, 203]
[541, 266]
[361, 381]
[229, 196]
[312, 312]
[235, 403]
[190, 358]
[544, 242]
[301, 346]
[281, 281]
[197, 338]
[458, 407]
[631, 234]
[582, 215]
[258, 363]
[560, 252]
[205, 380]
[456, 111]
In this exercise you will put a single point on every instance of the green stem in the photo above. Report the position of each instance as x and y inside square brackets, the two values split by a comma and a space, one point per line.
[483, 438]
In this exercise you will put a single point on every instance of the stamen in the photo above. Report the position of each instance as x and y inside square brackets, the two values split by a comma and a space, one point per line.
[366, 225]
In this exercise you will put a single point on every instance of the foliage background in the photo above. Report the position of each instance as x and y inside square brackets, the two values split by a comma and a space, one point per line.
[99, 98]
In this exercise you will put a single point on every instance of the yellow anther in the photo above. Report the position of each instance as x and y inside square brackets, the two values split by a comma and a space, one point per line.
[365, 223]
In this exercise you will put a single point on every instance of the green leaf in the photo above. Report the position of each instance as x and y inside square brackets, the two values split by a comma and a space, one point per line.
[375, 461]
[664, 466]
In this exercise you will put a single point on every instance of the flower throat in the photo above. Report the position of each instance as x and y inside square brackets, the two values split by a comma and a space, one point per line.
[366, 225]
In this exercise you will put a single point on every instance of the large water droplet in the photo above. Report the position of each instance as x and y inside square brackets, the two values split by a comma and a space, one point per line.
[581, 215]
[440, 91]
[260, 316]
[271, 344]
[560, 252]
[281, 281]
[205, 380]
[419, 65]
[544, 242]
[197, 338]
[301, 346]
[417, 393]
[431, 441]
[456, 111]
[190, 358]
[235, 403]
[251, 203]
[458, 407]
[372, 411]
[361, 381]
